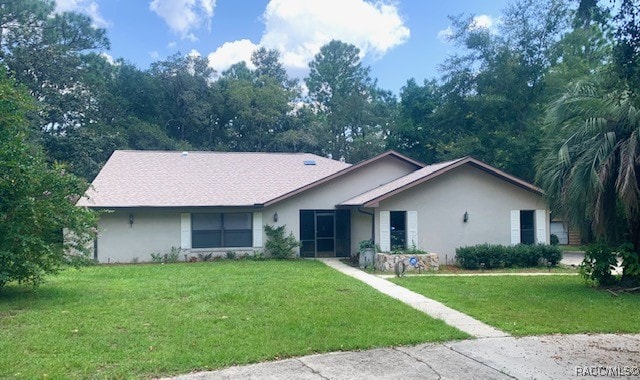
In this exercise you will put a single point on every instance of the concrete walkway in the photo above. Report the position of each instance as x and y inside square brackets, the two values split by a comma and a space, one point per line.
[542, 357]
[426, 305]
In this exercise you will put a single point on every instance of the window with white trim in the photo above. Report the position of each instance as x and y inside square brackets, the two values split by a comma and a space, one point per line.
[221, 230]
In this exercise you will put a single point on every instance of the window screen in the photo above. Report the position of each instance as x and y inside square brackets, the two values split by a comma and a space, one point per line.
[217, 230]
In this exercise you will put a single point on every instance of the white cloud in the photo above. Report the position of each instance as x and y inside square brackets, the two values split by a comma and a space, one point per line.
[154, 55]
[172, 45]
[478, 22]
[445, 34]
[482, 22]
[109, 58]
[88, 7]
[230, 53]
[184, 16]
[298, 29]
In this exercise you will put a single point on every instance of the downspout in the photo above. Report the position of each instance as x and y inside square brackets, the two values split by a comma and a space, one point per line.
[373, 223]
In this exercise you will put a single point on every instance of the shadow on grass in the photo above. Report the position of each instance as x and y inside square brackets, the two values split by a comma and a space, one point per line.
[18, 296]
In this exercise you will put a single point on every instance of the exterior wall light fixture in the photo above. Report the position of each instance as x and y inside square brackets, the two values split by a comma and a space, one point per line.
[131, 220]
[275, 217]
[465, 218]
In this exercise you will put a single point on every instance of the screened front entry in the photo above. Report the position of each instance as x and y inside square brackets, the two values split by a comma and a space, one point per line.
[325, 233]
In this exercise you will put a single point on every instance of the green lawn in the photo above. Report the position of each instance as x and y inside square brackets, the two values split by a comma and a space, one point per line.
[151, 320]
[533, 305]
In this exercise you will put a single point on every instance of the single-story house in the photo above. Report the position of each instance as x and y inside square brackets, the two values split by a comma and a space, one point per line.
[214, 202]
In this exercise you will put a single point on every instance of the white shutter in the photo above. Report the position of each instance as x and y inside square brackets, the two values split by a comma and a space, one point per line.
[515, 227]
[257, 229]
[541, 226]
[385, 231]
[185, 230]
[412, 229]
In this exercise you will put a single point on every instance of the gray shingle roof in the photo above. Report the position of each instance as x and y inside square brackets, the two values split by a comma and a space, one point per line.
[171, 179]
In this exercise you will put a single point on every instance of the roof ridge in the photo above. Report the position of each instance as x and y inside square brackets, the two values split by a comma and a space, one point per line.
[215, 152]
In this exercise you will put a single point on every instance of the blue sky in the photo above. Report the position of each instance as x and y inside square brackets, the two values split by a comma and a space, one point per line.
[399, 39]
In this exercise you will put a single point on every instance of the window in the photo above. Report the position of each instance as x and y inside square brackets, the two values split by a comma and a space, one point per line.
[217, 230]
[398, 221]
[527, 227]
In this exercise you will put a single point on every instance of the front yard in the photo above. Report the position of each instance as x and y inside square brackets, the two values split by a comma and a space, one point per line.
[151, 320]
[533, 305]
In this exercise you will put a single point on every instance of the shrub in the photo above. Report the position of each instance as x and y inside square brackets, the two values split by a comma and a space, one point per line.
[231, 255]
[37, 198]
[171, 257]
[205, 256]
[255, 256]
[630, 265]
[599, 261]
[551, 254]
[500, 256]
[278, 245]
[554, 239]
[413, 250]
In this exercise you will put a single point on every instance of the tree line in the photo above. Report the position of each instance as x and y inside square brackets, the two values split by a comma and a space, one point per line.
[489, 102]
[550, 95]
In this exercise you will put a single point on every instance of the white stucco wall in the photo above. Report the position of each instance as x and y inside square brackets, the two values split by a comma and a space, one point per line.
[153, 231]
[328, 195]
[442, 202]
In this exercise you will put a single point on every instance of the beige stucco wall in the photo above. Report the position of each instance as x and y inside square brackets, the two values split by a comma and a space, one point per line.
[442, 202]
[328, 195]
[153, 231]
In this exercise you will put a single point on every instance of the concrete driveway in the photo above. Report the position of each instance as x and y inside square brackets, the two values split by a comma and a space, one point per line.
[543, 357]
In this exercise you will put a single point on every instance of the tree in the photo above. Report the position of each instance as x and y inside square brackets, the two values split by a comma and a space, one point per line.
[350, 107]
[416, 133]
[590, 162]
[627, 48]
[36, 199]
[184, 82]
[590, 165]
[492, 95]
[51, 54]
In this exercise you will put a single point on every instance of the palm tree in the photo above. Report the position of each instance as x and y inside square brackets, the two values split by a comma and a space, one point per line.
[590, 161]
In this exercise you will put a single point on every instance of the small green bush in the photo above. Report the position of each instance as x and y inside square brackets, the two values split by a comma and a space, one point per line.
[491, 256]
[413, 250]
[278, 245]
[630, 265]
[599, 261]
[172, 257]
[553, 239]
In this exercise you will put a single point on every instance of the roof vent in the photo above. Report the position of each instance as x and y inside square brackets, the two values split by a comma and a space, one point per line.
[185, 154]
[309, 162]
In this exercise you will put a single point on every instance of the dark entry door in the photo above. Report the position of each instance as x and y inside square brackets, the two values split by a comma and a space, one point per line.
[325, 233]
[527, 227]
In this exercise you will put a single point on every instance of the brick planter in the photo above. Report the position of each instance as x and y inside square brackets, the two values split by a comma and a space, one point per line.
[385, 262]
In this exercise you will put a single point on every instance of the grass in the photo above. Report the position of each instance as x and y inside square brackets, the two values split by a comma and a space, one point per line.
[140, 321]
[453, 269]
[571, 248]
[533, 305]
